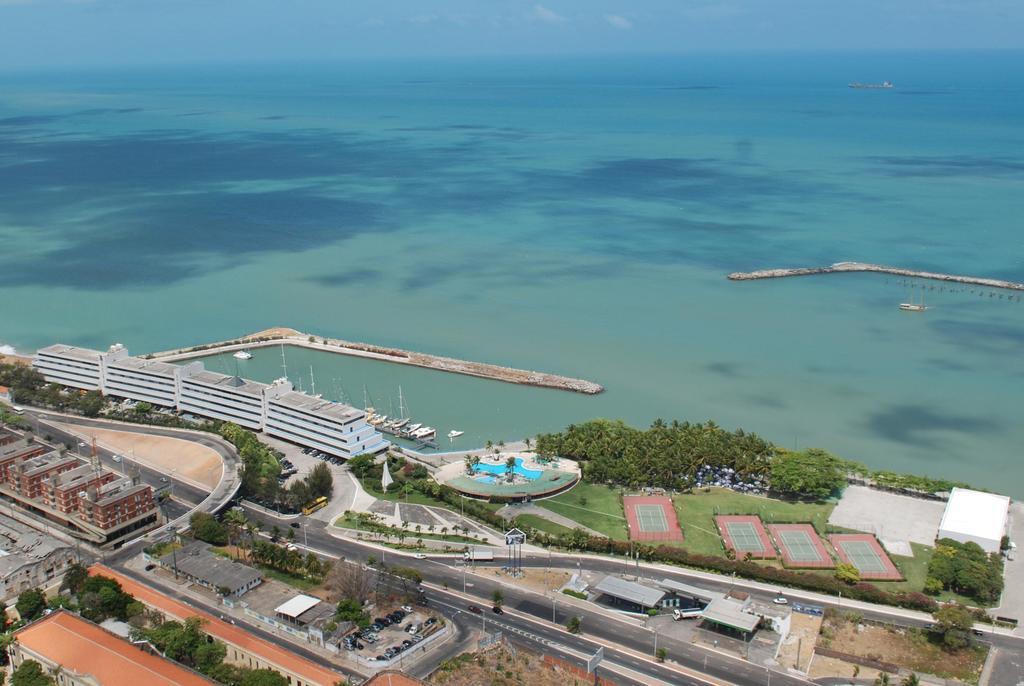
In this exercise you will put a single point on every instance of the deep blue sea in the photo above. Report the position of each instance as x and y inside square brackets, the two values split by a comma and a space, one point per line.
[573, 216]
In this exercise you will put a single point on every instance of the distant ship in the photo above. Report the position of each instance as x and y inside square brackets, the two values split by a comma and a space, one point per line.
[883, 84]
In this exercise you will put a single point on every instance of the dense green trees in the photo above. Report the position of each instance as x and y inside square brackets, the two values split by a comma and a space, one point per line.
[813, 473]
[665, 455]
[101, 598]
[31, 604]
[205, 527]
[953, 623]
[186, 643]
[260, 466]
[318, 483]
[966, 569]
[30, 673]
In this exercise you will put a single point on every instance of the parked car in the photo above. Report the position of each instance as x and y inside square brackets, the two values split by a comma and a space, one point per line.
[150, 568]
[420, 556]
[430, 622]
[407, 609]
[497, 610]
[475, 610]
[295, 525]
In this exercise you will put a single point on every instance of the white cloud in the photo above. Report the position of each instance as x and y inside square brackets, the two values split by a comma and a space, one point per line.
[617, 21]
[543, 14]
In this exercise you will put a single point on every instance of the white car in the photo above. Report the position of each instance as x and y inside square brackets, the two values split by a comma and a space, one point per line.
[420, 556]
[780, 600]
[116, 458]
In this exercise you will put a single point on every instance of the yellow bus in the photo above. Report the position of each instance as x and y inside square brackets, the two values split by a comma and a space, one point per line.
[314, 506]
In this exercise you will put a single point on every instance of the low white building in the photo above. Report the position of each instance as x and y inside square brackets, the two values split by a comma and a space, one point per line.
[231, 398]
[974, 516]
[142, 380]
[276, 409]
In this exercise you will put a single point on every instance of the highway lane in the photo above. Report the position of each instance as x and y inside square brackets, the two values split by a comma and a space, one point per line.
[320, 539]
[443, 573]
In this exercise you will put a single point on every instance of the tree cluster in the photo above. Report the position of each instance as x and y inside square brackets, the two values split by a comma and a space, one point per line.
[187, 644]
[666, 455]
[289, 561]
[813, 473]
[966, 569]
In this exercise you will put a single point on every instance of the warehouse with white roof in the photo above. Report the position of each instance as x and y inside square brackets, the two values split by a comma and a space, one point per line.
[974, 516]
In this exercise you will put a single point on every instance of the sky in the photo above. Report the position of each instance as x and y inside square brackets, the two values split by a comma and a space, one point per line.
[67, 33]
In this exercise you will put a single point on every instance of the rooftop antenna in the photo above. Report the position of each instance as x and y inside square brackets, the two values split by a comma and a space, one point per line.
[284, 362]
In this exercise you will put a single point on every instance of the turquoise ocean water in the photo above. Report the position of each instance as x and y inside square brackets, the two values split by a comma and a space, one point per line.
[577, 217]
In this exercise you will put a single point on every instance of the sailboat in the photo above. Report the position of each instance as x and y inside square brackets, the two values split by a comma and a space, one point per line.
[914, 307]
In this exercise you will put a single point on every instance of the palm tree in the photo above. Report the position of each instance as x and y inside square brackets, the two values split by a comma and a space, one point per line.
[527, 442]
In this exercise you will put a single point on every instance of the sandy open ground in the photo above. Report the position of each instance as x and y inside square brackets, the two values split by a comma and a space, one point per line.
[190, 461]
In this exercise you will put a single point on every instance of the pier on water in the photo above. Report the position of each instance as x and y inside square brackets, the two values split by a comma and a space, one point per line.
[877, 268]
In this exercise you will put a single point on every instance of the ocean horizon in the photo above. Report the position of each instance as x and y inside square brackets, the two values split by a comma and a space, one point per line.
[574, 216]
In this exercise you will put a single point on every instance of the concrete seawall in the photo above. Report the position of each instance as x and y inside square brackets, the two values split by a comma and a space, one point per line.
[279, 336]
[865, 267]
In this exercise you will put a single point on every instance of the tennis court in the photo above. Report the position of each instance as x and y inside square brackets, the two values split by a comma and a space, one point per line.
[651, 518]
[745, 534]
[864, 552]
[800, 546]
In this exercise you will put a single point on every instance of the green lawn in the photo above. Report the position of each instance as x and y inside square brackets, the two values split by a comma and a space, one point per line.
[594, 506]
[394, 495]
[542, 524]
[352, 522]
[697, 512]
[301, 583]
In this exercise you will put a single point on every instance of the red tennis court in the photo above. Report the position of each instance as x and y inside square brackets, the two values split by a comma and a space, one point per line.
[864, 552]
[651, 518]
[745, 534]
[800, 546]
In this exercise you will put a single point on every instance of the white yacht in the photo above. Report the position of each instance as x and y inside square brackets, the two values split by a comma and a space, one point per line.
[453, 434]
[913, 307]
[243, 355]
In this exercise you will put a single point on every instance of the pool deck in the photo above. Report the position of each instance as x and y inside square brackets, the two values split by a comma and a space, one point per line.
[553, 479]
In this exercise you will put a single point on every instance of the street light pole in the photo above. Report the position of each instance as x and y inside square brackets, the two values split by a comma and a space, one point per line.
[552, 609]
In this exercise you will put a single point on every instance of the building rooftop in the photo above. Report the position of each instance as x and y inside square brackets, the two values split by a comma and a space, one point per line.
[393, 678]
[235, 383]
[308, 670]
[688, 590]
[297, 605]
[311, 404]
[628, 590]
[82, 648]
[21, 545]
[139, 364]
[731, 613]
[84, 354]
[975, 514]
[196, 560]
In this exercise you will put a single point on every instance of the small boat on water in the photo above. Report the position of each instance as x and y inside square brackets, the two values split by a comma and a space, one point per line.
[377, 419]
[425, 433]
[413, 428]
[243, 355]
[453, 434]
[913, 307]
[885, 85]
[399, 424]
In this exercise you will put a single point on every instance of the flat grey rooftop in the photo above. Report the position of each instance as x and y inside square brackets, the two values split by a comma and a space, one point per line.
[196, 560]
[233, 383]
[317, 406]
[62, 350]
[729, 612]
[139, 364]
[630, 591]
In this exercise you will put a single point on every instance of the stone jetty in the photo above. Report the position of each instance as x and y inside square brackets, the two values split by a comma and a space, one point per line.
[881, 269]
[285, 336]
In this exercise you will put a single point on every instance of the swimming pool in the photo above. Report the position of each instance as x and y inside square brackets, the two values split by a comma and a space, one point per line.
[500, 470]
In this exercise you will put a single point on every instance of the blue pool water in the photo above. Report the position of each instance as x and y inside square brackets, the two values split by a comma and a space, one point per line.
[485, 479]
[499, 469]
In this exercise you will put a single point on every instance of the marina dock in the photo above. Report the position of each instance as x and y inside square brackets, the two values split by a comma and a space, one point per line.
[285, 336]
[881, 269]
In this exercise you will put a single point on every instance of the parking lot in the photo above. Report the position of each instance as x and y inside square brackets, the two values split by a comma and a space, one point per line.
[392, 635]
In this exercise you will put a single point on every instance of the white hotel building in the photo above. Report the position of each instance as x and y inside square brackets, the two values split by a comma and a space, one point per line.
[276, 409]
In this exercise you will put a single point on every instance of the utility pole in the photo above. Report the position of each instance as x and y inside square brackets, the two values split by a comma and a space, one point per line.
[552, 609]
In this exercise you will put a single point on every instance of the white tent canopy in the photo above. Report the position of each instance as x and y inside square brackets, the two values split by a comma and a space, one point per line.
[974, 516]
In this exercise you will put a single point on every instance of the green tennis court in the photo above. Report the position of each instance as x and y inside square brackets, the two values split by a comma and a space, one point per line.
[863, 556]
[651, 518]
[800, 546]
[745, 537]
